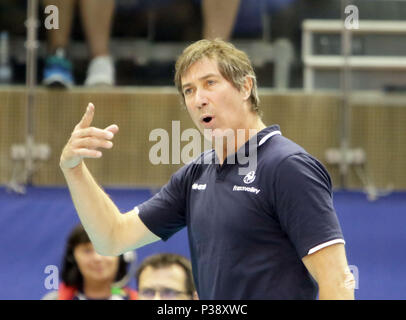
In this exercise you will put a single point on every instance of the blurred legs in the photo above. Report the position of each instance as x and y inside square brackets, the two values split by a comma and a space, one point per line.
[97, 17]
[219, 18]
[59, 38]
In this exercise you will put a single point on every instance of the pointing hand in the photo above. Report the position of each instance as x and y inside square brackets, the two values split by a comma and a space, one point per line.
[86, 140]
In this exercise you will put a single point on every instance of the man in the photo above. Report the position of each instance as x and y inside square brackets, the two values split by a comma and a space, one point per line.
[165, 276]
[269, 234]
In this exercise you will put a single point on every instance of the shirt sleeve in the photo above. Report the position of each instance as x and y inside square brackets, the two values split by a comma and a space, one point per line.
[304, 204]
[164, 213]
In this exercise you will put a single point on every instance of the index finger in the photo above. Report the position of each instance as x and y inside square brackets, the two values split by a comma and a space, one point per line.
[87, 117]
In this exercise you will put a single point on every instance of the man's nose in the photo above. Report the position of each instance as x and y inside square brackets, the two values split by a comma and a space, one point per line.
[157, 296]
[201, 99]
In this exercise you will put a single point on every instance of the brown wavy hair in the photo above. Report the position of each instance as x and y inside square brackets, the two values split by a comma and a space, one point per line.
[233, 64]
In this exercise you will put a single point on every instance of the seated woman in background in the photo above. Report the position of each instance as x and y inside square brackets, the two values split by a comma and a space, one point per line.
[86, 275]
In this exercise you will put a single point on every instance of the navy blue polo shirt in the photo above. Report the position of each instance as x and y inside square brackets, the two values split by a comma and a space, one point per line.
[248, 233]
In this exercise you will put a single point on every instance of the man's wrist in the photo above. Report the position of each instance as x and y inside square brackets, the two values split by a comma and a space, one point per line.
[71, 170]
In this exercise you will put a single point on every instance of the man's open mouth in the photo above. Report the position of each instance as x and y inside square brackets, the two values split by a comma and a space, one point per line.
[207, 119]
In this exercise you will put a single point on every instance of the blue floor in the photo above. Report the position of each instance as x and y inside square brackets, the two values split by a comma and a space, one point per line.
[375, 233]
[34, 227]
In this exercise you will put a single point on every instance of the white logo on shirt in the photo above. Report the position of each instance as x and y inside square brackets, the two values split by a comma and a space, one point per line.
[197, 186]
[247, 189]
[249, 177]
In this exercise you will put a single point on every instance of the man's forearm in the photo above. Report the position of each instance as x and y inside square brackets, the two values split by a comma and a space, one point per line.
[98, 214]
[339, 292]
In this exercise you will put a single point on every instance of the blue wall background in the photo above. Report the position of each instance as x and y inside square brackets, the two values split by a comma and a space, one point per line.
[34, 228]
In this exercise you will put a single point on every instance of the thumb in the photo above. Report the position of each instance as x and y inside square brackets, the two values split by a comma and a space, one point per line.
[87, 117]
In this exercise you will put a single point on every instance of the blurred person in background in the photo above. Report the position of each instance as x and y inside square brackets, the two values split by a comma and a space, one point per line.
[219, 18]
[96, 18]
[165, 276]
[86, 275]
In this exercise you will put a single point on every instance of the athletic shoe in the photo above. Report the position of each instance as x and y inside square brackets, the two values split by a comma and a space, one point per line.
[100, 72]
[58, 71]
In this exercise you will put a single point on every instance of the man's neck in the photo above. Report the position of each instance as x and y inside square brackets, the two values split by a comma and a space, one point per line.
[240, 137]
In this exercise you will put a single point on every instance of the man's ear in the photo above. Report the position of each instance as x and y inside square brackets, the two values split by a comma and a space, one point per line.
[247, 87]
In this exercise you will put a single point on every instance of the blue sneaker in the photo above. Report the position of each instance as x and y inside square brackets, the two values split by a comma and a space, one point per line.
[58, 71]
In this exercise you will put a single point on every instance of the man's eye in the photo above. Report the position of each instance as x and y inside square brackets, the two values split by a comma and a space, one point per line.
[211, 82]
[187, 91]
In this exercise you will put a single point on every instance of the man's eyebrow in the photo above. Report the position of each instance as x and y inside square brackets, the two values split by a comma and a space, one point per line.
[201, 78]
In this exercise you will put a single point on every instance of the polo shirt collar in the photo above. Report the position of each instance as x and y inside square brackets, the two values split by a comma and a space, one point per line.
[260, 138]
[267, 133]
[254, 143]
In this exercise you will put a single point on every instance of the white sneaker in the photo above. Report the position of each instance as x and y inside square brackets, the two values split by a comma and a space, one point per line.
[101, 71]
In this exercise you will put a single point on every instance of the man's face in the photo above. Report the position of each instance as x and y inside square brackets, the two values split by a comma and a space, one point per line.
[212, 101]
[168, 283]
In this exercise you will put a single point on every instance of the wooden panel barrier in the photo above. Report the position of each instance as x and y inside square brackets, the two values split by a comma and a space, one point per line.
[311, 120]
